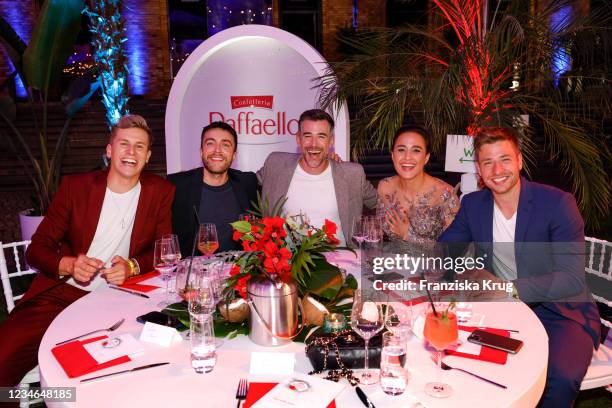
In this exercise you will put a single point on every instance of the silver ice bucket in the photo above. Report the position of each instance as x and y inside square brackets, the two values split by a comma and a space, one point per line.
[274, 311]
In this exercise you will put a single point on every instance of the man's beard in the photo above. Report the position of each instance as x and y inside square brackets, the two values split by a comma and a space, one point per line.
[215, 171]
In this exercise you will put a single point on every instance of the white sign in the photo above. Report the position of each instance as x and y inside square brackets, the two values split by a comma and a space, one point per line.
[258, 79]
[272, 363]
[460, 154]
[161, 335]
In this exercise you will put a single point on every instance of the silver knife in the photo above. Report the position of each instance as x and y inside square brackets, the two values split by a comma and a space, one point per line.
[124, 371]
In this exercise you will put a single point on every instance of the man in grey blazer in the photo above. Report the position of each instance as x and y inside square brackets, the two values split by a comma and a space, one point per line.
[314, 185]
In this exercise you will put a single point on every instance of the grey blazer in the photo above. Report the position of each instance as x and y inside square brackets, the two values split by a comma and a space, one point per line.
[353, 191]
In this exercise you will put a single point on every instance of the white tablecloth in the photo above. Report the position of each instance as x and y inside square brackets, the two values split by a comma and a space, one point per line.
[177, 385]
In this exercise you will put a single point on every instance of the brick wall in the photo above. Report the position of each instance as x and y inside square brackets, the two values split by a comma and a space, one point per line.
[338, 14]
[146, 24]
[20, 15]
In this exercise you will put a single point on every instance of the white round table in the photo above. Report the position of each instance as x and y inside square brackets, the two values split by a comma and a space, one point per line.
[178, 385]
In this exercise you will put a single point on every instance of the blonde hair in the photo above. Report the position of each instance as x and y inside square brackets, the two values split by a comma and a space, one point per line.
[129, 122]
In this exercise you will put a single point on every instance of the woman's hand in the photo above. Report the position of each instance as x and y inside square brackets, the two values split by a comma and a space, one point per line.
[398, 222]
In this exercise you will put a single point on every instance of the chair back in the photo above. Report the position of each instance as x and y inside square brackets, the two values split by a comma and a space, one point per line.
[19, 268]
[599, 267]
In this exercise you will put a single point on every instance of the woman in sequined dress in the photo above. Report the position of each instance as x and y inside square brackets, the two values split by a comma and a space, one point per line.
[414, 206]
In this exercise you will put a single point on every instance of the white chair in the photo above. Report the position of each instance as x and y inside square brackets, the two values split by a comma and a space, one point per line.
[599, 265]
[33, 376]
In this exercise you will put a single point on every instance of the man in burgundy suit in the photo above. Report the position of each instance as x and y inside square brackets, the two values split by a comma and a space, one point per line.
[100, 229]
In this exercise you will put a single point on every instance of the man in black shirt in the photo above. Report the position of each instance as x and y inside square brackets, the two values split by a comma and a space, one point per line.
[219, 194]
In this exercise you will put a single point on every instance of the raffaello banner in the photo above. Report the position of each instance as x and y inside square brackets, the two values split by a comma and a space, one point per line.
[258, 79]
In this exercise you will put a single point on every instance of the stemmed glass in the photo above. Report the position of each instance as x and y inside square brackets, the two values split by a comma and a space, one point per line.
[373, 231]
[398, 319]
[358, 233]
[208, 242]
[165, 258]
[173, 257]
[204, 297]
[440, 331]
[366, 320]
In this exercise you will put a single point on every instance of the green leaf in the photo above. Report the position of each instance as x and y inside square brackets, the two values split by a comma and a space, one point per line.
[223, 328]
[53, 38]
[325, 281]
[241, 226]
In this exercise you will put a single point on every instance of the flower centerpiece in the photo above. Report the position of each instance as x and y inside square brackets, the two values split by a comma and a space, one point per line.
[283, 254]
[289, 251]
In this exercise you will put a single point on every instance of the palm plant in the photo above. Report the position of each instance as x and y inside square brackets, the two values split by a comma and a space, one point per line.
[39, 64]
[468, 71]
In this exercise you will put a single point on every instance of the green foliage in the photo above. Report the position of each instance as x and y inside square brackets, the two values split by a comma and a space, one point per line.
[462, 74]
[223, 328]
[39, 65]
[52, 42]
[262, 207]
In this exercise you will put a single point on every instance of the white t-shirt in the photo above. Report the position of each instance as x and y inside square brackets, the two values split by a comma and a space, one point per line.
[504, 262]
[315, 197]
[113, 232]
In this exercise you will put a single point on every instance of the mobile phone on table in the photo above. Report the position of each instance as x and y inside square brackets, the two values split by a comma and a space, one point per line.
[495, 341]
[159, 318]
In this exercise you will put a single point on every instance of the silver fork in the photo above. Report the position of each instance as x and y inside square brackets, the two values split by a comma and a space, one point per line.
[241, 392]
[110, 329]
[447, 367]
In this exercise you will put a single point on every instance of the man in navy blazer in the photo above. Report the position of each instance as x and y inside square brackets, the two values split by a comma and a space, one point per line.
[218, 193]
[548, 272]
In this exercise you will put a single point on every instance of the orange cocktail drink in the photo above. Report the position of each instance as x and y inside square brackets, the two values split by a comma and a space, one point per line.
[440, 331]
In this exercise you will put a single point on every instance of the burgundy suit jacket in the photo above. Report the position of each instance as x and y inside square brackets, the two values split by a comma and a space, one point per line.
[72, 218]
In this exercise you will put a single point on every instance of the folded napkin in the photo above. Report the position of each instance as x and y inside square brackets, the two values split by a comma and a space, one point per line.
[134, 282]
[486, 353]
[76, 361]
[258, 390]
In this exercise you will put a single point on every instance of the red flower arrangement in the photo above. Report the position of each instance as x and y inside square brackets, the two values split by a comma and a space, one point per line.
[279, 249]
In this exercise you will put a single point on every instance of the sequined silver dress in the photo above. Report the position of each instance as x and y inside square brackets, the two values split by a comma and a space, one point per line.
[428, 214]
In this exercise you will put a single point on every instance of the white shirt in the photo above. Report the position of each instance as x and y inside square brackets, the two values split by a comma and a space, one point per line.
[113, 233]
[315, 197]
[504, 262]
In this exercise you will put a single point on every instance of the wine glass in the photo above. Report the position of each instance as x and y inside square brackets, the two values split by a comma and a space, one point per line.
[172, 257]
[186, 279]
[440, 331]
[358, 232]
[366, 320]
[164, 260]
[398, 319]
[373, 230]
[208, 242]
[202, 297]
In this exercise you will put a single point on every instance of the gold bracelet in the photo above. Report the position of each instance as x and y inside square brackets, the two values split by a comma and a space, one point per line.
[133, 270]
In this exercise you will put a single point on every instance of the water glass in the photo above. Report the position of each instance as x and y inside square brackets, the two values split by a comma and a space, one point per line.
[393, 375]
[202, 340]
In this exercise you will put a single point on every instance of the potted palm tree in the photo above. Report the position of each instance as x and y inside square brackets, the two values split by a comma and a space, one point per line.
[472, 68]
[39, 64]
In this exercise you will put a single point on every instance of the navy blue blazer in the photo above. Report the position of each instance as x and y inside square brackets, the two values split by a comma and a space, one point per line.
[188, 194]
[551, 266]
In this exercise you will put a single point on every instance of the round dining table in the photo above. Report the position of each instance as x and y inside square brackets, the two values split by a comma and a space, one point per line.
[178, 385]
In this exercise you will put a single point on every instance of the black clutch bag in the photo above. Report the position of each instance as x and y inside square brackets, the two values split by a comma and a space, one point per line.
[328, 351]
